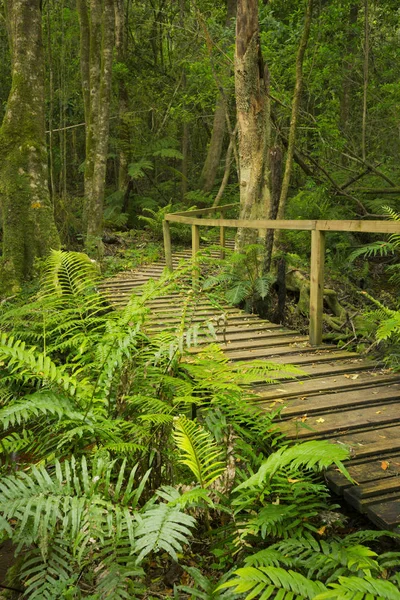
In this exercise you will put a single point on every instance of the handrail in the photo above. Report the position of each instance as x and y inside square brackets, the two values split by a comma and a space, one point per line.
[318, 230]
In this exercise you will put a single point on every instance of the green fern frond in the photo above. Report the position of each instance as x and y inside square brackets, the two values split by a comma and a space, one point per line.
[32, 364]
[34, 405]
[266, 581]
[308, 455]
[162, 527]
[373, 249]
[199, 451]
[68, 274]
[365, 588]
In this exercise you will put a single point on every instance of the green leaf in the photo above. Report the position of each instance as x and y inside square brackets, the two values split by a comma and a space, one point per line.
[199, 451]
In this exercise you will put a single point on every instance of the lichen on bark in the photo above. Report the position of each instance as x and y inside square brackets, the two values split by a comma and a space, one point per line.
[253, 114]
[28, 224]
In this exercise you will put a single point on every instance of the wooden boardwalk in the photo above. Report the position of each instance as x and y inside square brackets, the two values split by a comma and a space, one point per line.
[341, 397]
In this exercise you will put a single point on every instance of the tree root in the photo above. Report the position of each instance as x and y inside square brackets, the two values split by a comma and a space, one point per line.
[339, 320]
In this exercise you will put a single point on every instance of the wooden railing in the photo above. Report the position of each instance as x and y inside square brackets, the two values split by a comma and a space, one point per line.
[196, 218]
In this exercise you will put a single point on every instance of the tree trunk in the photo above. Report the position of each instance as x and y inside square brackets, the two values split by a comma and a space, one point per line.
[295, 109]
[253, 116]
[97, 20]
[121, 18]
[214, 152]
[276, 186]
[348, 68]
[365, 86]
[213, 158]
[29, 230]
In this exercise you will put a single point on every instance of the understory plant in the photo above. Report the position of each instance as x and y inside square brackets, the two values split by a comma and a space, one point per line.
[120, 442]
[241, 278]
[382, 323]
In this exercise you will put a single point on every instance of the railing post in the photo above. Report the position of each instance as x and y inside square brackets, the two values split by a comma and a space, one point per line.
[317, 286]
[195, 249]
[167, 245]
[222, 241]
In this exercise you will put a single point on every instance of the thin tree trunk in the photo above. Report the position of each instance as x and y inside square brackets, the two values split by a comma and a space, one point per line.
[185, 159]
[51, 103]
[228, 162]
[276, 186]
[348, 66]
[366, 73]
[211, 164]
[121, 18]
[28, 223]
[98, 20]
[214, 152]
[295, 109]
[253, 116]
[101, 74]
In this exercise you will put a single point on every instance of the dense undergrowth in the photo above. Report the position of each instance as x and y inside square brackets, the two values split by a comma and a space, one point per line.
[119, 445]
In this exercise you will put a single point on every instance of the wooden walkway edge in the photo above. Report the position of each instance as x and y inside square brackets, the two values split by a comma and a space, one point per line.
[342, 397]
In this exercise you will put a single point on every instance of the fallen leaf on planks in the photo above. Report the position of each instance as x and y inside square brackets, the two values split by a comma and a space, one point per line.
[320, 420]
[384, 465]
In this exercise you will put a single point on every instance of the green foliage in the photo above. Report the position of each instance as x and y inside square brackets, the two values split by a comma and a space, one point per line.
[383, 322]
[198, 451]
[206, 589]
[163, 527]
[265, 581]
[96, 411]
[283, 499]
[240, 277]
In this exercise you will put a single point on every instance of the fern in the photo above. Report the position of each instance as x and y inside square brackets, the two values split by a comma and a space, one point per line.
[199, 452]
[162, 527]
[355, 588]
[308, 455]
[266, 581]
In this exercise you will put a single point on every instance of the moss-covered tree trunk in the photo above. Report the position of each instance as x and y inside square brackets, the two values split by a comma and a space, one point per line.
[121, 29]
[28, 224]
[253, 115]
[97, 23]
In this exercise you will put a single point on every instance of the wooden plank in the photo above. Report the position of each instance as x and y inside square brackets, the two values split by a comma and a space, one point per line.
[302, 225]
[195, 249]
[387, 485]
[339, 400]
[320, 385]
[167, 245]
[202, 211]
[256, 343]
[222, 241]
[319, 426]
[317, 286]
[360, 226]
[246, 223]
[370, 443]
[364, 471]
[386, 514]
[308, 356]
[269, 353]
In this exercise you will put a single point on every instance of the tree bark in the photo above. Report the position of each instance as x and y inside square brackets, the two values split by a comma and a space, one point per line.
[29, 230]
[295, 109]
[97, 19]
[253, 116]
[365, 86]
[348, 67]
[214, 152]
[213, 158]
[121, 18]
